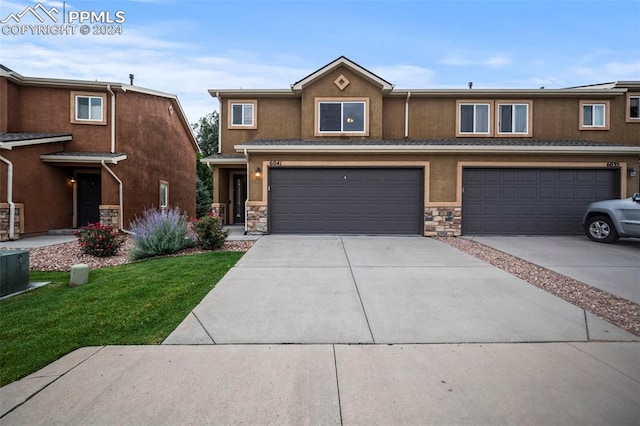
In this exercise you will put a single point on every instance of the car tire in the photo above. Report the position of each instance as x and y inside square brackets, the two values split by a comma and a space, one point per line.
[601, 230]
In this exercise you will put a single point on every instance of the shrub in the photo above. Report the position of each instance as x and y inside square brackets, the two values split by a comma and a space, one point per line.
[159, 232]
[97, 240]
[210, 233]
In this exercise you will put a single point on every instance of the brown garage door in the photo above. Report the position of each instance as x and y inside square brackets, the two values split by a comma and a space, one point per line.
[532, 201]
[346, 200]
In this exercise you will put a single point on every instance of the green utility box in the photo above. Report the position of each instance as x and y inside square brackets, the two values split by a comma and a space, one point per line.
[14, 271]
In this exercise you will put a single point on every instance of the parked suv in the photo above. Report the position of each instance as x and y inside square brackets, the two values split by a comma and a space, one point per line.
[606, 221]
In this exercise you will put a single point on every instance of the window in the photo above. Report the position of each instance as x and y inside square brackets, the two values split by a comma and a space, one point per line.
[474, 119]
[594, 115]
[164, 194]
[513, 118]
[242, 114]
[633, 107]
[343, 117]
[88, 108]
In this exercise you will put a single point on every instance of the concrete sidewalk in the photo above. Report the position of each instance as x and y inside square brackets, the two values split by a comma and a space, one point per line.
[460, 341]
[400, 290]
[558, 383]
[614, 268]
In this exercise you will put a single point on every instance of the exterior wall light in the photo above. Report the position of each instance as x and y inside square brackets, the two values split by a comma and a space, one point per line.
[72, 180]
[632, 172]
[258, 172]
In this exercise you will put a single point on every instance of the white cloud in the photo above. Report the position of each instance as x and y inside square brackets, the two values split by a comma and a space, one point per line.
[496, 61]
[405, 75]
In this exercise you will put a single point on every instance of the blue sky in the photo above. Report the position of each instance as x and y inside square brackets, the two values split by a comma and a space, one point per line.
[186, 47]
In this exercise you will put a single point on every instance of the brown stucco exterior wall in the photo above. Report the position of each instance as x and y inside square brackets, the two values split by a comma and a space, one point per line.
[149, 130]
[358, 88]
[443, 168]
[45, 191]
[158, 148]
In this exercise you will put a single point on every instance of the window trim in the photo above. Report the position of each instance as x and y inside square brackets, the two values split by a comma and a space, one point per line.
[232, 102]
[316, 119]
[607, 110]
[490, 121]
[627, 114]
[165, 184]
[528, 133]
[74, 112]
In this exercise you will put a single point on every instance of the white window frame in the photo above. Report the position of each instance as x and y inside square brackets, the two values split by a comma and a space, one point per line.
[529, 125]
[592, 104]
[475, 103]
[245, 104]
[76, 96]
[163, 194]
[342, 102]
[629, 117]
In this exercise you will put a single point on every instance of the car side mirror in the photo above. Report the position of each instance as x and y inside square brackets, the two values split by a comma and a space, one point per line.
[636, 196]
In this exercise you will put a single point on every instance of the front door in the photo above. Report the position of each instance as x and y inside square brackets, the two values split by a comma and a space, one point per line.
[239, 197]
[89, 195]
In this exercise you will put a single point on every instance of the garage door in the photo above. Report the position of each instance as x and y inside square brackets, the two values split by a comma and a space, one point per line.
[346, 200]
[532, 201]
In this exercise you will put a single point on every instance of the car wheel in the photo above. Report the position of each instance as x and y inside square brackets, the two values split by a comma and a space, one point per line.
[601, 230]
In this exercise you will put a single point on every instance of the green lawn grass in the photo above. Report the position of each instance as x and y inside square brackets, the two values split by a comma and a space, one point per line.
[132, 304]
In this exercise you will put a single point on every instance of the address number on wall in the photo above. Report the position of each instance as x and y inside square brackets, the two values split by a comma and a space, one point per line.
[613, 165]
[275, 163]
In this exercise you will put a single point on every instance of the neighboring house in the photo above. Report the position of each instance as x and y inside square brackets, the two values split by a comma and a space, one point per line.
[76, 152]
[343, 151]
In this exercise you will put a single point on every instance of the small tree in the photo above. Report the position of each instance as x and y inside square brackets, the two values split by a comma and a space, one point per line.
[206, 130]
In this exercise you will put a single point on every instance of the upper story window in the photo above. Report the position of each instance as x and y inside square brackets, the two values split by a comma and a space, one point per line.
[594, 115]
[513, 118]
[633, 107]
[88, 108]
[346, 117]
[243, 114]
[474, 118]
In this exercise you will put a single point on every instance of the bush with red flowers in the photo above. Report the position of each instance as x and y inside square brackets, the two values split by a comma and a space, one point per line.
[98, 240]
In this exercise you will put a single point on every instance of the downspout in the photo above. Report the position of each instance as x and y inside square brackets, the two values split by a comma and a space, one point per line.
[246, 202]
[113, 118]
[12, 206]
[219, 123]
[121, 215]
[406, 116]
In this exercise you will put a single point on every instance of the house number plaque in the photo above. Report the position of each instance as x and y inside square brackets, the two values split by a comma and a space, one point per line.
[275, 163]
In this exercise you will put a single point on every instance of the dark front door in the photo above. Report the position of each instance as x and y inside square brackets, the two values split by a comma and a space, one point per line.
[89, 194]
[239, 197]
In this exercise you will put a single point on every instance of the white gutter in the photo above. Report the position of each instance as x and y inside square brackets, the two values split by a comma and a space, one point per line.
[406, 115]
[442, 149]
[246, 201]
[121, 202]
[210, 167]
[12, 206]
[219, 123]
[113, 118]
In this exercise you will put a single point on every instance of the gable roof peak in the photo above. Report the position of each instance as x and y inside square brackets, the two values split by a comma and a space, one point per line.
[342, 61]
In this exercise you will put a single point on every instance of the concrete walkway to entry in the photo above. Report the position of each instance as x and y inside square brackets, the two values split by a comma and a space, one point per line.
[358, 289]
[505, 352]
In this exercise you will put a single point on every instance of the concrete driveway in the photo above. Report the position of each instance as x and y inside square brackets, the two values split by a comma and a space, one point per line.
[352, 290]
[611, 267]
[359, 289]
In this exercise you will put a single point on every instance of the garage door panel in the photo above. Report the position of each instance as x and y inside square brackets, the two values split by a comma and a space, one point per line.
[346, 200]
[549, 202]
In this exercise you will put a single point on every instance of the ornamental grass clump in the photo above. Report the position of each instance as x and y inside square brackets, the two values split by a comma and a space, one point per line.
[210, 233]
[98, 240]
[159, 232]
